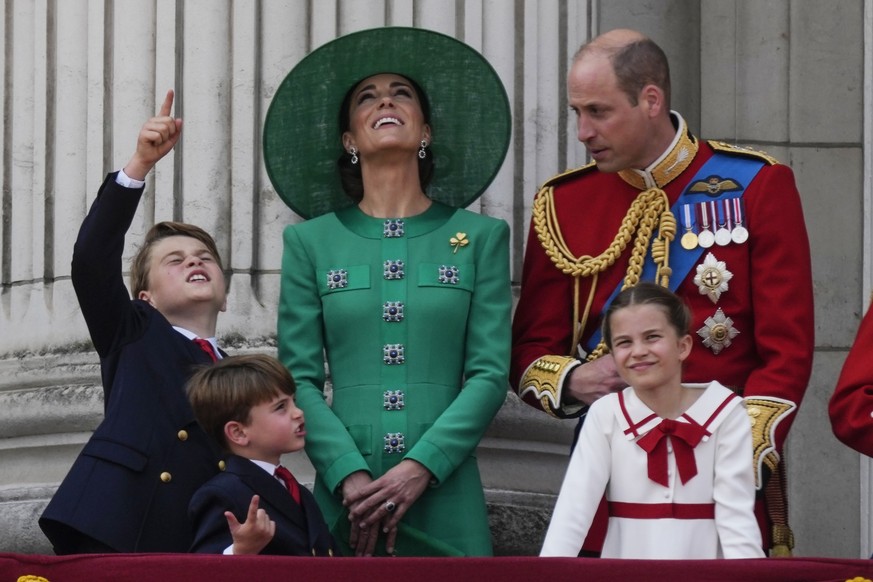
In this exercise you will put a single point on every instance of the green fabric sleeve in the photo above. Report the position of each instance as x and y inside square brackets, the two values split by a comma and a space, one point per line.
[457, 432]
[300, 330]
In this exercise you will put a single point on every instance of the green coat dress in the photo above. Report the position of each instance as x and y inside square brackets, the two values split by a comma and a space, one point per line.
[414, 318]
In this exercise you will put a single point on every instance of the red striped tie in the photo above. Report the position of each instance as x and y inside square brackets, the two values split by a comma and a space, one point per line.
[290, 482]
[206, 346]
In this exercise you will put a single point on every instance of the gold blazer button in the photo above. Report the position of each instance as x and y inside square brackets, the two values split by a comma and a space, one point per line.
[183, 435]
[166, 477]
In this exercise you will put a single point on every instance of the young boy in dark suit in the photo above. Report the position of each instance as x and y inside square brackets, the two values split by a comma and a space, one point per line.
[246, 403]
[129, 489]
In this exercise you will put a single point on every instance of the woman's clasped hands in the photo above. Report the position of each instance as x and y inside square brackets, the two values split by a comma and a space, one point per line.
[377, 506]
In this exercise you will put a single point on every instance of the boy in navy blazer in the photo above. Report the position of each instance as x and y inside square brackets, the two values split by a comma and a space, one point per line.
[128, 491]
[246, 404]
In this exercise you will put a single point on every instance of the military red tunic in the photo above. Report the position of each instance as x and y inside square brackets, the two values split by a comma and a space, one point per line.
[763, 307]
[851, 406]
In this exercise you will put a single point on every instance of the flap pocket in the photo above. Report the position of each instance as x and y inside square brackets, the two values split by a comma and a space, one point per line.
[117, 453]
[447, 275]
[339, 279]
[362, 434]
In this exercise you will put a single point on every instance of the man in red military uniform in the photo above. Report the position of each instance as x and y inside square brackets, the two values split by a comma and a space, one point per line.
[720, 225]
[851, 406]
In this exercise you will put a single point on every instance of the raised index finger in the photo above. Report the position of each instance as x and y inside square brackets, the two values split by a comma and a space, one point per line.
[253, 508]
[168, 104]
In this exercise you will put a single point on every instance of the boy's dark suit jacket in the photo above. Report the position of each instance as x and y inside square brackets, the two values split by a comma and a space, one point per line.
[130, 487]
[300, 529]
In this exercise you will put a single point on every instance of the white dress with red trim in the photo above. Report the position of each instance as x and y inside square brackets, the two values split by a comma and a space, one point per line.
[676, 489]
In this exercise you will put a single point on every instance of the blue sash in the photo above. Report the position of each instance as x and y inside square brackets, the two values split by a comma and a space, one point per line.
[741, 170]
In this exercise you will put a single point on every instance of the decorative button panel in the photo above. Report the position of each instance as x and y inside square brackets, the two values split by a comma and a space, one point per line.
[393, 400]
[449, 275]
[394, 443]
[394, 269]
[392, 311]
[393, 228]
[337, 279]
[393, 354]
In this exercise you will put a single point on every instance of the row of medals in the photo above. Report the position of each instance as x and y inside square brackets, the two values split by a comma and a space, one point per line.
[721, 223]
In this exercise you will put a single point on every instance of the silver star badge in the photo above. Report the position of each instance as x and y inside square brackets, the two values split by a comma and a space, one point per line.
[718, 332]
[712, 277]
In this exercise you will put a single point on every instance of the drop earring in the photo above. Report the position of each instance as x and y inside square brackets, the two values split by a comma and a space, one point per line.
[422, 153]
[354, 153]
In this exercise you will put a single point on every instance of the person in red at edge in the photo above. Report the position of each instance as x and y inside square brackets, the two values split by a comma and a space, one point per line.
[720, 225]
[851, 406]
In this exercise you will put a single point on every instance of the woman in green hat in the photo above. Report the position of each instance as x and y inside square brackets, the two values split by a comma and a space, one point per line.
[406, 293]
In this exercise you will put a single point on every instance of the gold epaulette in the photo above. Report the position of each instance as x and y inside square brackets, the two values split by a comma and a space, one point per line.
[721, 146]
[765, 414]
[569, 174]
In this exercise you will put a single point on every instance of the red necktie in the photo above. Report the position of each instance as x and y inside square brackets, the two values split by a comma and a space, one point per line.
[206, 346]
[290, 482]
[684, 436]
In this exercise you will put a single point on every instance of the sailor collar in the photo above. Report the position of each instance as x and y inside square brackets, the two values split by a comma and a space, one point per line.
[675, 159]
[636, 419]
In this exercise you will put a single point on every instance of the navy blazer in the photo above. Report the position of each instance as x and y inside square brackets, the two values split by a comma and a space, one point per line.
[130, 486]
[300, 529]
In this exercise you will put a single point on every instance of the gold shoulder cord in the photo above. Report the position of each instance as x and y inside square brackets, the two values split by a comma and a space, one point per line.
[721, 146]
[651, 208]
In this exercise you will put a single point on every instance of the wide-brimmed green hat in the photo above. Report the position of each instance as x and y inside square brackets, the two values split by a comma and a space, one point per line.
[469, 115]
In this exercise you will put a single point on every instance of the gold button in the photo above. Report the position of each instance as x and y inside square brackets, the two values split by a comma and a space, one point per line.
[166, 477]
[183, 435]
[221, 465]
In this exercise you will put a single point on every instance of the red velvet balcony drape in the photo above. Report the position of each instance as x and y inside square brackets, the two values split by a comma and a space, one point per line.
[188, 568]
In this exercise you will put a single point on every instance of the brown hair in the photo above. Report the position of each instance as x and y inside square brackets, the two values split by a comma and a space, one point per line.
[227, 390]
[646, 293]
[635, 64]
[139, 266]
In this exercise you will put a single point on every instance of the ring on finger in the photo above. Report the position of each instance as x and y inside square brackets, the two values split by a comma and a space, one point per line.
[390, 506]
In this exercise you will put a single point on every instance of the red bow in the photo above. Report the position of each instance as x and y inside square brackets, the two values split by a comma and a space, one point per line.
[685, 437]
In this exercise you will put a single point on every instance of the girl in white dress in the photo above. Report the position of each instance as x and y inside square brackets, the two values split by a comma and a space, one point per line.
[673, 460]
